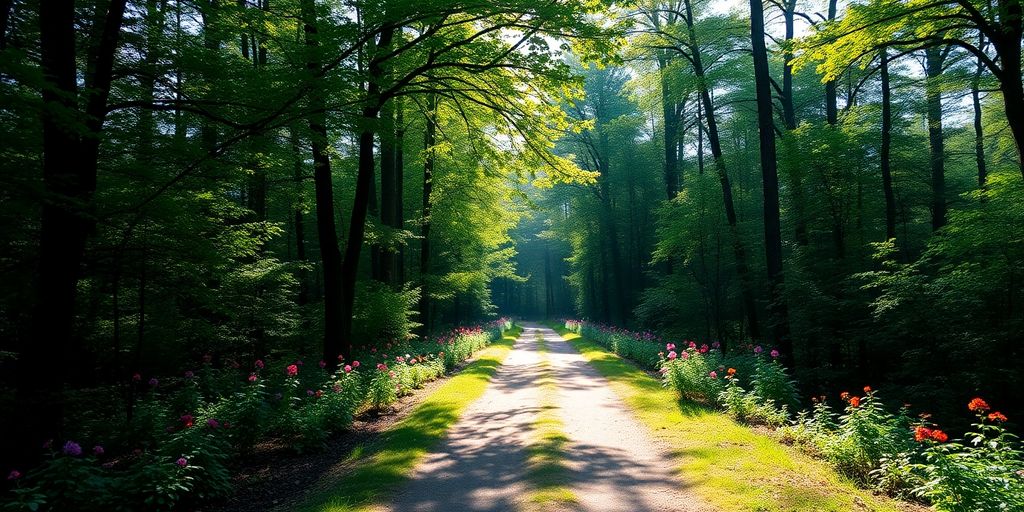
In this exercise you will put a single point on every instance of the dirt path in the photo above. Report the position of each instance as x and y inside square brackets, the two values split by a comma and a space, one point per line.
[614, 464]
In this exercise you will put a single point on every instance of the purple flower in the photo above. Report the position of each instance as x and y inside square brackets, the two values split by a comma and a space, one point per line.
[14, 474]
[72, 448]
[97, 450]
[212, 423]
[153, 382]
[181, 462]
[758, 349]
[774, 353]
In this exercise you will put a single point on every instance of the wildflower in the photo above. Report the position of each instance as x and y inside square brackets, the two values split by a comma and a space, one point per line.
[14, 474]
[187, 420]
[693, 344]
[716, 345]
[867, 389]
[98, 450]
[921, 433]
[774, 353]
[355, 364]
[323, 364]
[136, 377]
[153, 382]
[212, 423]
[382, 367]
[348, 368]
[940, 436]
[189, 374]
[713, 374]
[978, 405]
[72, 448]
[341, 358]
[292, 370]
[758, 349]
[704, 349]
[731, 372]
[672, 355]
[997, 416]
[319, 393]
[309, 392]
[252, 377]
[845, 395]
[181, 462]
[686, 355]
[399, 359]
[670, 346]
[259, 364]
[855, 401]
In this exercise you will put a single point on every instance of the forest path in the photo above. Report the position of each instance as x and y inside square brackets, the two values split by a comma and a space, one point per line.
[611, 462]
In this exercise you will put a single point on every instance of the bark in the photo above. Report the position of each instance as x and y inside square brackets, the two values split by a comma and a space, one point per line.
[777, 312]
[831, 103]
[387, 188]
[979, 130]
[671, 128]
[327, 231]
[428, 184]
[934, 58]
[1007, 44]
[885, 150]
[739, 249]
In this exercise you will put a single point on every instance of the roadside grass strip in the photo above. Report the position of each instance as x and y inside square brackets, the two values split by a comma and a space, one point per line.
[546, 468]
[383, 465]
[731, 466]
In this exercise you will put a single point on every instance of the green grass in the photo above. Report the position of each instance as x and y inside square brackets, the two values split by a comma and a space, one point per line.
[546, 470]
[386, 463]
[731, 466]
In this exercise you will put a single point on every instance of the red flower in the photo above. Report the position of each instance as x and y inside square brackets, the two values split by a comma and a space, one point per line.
[187, 420]
[978, 405]
[867, 389]
[293, 370]
[997, 416]
[855, 401]
[845, 395]
[940, 436]
[922, 433]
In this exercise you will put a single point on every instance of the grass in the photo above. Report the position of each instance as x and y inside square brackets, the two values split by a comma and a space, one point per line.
[546, 469]
[731, 466]
[387, 463]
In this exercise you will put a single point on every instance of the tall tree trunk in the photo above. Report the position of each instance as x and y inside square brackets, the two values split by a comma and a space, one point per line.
[671, 128]
[979, 130]
[400, 186]
[428, 185]
[611, 235]
[739, 249]
[1007, 44]
[934, 58]
[323, 184]
[788, 110]
[885, 150]
[387, 187]
[777, 312]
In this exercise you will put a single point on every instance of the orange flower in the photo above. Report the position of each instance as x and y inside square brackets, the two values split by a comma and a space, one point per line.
[855, 401]
[845, 395]
[867, 389]
[940, 436]
[921, 433]
[997, 416]
[978, 405]
[731, 371]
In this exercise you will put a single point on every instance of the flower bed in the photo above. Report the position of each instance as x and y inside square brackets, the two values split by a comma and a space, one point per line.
[892, 452]
[183, 431]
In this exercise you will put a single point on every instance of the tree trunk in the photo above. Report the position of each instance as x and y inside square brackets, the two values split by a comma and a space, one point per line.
[831, 103]
[400, 186]
[428, 184]
[777, 312]
[979, 130]
[739, 250]
[671, 126]
[387, 188]
[934, 58]
[885, 150]
[788, 110]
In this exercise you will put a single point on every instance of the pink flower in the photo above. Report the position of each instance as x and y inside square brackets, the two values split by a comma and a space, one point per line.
[292, 370]
[212, 423]
[693, 344]
[348, 368]
[382, 367]
[181, 462]
[670, 346]
[309, 392]
[336, 388]
[14, 474]
[259, 364]
[355, 364]
[136, 377]
[252, 377]
[672, 355]
[323, 364]
[758, 349]
[97, 450]
[704, 349]
[716, 345]
[774, 353]
[713, 374]
[686, 355]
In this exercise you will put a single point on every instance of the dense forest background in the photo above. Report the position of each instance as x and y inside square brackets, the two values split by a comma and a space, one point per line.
[222, 180]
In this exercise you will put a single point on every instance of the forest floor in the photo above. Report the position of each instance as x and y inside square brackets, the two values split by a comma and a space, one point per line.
[557, 423]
